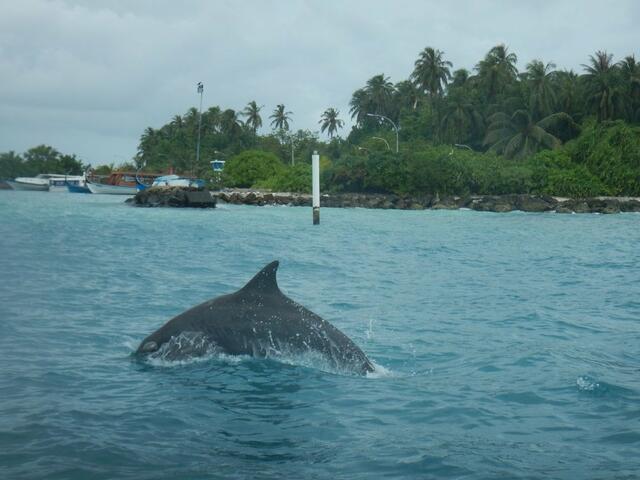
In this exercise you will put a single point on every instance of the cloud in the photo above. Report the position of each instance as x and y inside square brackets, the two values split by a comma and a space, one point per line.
[89, 77]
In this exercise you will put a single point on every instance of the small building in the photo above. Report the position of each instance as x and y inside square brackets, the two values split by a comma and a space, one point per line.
[217, 165]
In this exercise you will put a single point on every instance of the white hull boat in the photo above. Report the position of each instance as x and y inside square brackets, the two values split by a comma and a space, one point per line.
[29, 183]
[52, 182]
[111, 189]
[59, 184]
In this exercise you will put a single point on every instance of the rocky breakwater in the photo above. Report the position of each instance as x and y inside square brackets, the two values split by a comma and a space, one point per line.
[484, 203]
[174, 197]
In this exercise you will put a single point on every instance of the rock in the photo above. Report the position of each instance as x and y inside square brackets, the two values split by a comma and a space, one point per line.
[492, 204]
[604, 205]
[174, 197]
[535, 203]
[449, 203]
[573, 205]
[487, 203]
[200, 199]
[629, 205]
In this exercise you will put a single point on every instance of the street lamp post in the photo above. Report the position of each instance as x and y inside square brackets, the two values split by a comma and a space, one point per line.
[390, 121]
[200, 90]
[384, 140]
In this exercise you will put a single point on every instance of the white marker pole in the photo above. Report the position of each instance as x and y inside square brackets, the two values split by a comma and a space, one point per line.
[315, 178]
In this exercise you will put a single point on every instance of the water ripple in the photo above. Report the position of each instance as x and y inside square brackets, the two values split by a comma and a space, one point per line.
[506, 345]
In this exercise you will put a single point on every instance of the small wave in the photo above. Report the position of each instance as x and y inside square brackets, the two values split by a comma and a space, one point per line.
[585, 383]
[195, 347]
[130, 344]
[380, 371]
[215, 356]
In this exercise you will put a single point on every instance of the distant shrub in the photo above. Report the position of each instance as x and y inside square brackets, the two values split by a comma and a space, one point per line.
[556, 174]
[610, 151]
[251, 167]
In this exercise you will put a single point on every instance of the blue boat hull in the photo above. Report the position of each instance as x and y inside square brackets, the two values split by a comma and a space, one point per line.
[77, 189]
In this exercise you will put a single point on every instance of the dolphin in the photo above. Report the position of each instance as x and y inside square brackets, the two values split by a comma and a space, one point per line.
[257, 320]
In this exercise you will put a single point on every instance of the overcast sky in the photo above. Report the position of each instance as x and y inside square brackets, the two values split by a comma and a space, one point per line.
[89, 77]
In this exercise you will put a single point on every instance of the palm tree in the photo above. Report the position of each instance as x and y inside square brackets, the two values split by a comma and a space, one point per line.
[602, 93]
[211, 120]
[280, 118]
[407, 95]
[377, 97]
[542, 98]
[380, 92]
[252, 113]
[176, 123]
[459, 77]
[359, 105]
[567, 86]
[519, 136]
[230, 124]
[630, 75]
[330, 121]
[497, 70]
[431, 72]
[461, 119]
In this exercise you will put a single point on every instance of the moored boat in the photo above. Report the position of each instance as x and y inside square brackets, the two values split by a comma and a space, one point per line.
[37, 183]
[60, 183]
[78, 188]
[121, 183]
[177, 181]
[105, 188]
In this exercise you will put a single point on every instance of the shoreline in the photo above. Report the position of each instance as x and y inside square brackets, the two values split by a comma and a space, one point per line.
[482, 203]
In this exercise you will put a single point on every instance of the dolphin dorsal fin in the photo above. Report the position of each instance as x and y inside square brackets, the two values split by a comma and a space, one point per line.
[264, 281]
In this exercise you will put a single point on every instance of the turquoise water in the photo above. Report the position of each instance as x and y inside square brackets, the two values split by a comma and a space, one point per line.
[508, 345]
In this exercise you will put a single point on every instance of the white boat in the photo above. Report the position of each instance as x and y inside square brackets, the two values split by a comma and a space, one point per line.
[59, 183]
[177, 181]
[111, 189]
[39, 182]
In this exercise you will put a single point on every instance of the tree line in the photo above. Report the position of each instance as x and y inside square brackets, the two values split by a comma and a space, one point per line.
[40, 159]
[544, 128]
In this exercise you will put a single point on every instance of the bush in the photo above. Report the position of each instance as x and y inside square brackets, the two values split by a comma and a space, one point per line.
[293, 179]
[610, 151]
[556, 174]
[251, 167]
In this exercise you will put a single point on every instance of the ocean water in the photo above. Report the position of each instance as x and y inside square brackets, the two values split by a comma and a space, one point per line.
[507, 345]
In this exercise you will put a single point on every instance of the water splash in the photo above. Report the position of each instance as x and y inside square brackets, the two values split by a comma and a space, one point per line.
[369, 331]
[195, 347]
[585, 383]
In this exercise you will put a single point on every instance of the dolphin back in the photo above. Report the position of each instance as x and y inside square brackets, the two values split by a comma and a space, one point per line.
[257, 320]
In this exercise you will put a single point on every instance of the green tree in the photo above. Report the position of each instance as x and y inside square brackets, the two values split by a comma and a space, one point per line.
[230, 124]
[519, 136]
[280, 118]
[252, 114]
[11, 165]
[407, 95]
[542, 97]
[460, 77]
[601, 79]
[461, 120]
[330, 121]
[359, 106]
[568, 93]
[249, 167]
[630, 75]
[497, 70]
[431, 72]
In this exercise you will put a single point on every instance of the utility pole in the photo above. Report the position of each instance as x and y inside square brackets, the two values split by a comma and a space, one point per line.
[200, 90]
[315, 187]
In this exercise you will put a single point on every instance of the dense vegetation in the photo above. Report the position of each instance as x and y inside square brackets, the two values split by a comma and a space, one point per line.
[40, 159]
[492, 130]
